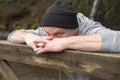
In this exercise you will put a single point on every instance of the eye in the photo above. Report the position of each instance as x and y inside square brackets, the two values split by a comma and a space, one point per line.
[59, 34]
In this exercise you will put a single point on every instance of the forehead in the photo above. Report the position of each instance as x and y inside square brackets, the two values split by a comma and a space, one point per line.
[53, 29]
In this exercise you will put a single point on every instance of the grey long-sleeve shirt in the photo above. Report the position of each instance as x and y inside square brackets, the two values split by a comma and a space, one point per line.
[110, 38]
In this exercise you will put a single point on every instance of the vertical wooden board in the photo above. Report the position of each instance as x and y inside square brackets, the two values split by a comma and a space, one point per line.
[7, 72]
[1, 77]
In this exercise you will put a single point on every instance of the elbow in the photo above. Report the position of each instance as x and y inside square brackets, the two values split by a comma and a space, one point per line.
[14, 36]
[9, 38]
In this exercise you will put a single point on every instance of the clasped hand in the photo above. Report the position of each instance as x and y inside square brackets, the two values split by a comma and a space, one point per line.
[49, 45]
[43, 44]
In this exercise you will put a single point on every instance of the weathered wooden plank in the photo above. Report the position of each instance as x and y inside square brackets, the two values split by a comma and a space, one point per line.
[7, 71]
[104, 65]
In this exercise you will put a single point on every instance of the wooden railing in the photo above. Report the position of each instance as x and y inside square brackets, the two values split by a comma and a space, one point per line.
[103, 65]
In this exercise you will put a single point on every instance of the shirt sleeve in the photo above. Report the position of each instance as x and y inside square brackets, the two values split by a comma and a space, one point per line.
[87, 26]
[110, 38]
[39, 31]
[110, 41]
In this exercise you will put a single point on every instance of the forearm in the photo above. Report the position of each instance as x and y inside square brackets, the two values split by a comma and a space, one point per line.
[84, 43]
[17, 36]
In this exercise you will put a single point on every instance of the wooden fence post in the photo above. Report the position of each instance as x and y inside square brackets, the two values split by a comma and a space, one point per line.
[6, 71]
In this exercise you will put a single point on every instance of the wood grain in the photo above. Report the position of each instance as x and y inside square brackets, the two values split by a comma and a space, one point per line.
[103, 65]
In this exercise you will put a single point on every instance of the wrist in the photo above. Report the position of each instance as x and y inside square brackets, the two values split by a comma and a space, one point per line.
[27, 36]
[67, 43]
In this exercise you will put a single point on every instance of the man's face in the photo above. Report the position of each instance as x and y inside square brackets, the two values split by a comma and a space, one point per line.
[59, 32]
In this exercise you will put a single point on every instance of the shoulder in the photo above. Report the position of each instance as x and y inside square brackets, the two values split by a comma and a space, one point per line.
[38, 31]
[82, 17]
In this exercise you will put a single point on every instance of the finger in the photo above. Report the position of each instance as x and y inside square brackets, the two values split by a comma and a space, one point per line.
[34, 47]
[49, 37]
[41, 41]
[46, 37]
[37, 50]
[42, 50]
[38, 41]
[40, 44]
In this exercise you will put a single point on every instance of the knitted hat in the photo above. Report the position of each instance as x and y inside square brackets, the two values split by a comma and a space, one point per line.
[60, 14]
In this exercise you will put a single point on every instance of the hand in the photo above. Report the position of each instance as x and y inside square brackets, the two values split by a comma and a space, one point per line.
[54, 45]
[31, 40]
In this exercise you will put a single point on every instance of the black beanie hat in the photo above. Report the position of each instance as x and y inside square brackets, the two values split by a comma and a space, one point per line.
[60, 14]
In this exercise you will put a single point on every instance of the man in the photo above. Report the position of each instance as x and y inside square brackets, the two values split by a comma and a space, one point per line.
[63, 28]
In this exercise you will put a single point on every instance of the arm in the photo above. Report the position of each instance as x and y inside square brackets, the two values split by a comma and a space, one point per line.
[27, 36]
[17, 36]
[110, 38]
[108, 41]
[85, 43]
[81, 43]
[21, 36]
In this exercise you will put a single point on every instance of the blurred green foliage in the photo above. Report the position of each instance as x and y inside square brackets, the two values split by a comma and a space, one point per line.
[17, 14]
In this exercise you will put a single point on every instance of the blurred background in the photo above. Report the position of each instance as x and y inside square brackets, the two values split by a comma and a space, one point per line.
[17, 14]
